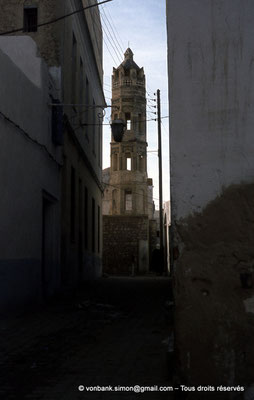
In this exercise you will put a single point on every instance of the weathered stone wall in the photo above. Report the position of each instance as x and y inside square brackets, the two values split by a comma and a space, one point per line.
[211, 91]
[214, 315]
[46, 37]
[121, 238]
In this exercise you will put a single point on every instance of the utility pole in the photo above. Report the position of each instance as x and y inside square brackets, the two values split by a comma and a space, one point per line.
[160, 176]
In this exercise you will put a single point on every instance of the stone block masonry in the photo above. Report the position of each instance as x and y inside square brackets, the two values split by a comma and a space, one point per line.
[124, 238]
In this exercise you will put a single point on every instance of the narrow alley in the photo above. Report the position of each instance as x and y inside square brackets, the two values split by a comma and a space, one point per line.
[113, 332]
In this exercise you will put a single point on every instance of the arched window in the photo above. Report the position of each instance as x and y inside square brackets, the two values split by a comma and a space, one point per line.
[128, 161]
[128, 200]
[128, 121]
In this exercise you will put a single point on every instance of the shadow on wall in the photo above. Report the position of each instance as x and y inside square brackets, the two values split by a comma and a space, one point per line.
[214, 313]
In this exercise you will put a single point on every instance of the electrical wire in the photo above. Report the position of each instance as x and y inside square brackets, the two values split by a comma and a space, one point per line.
[150, 97]
[151, 102]
[113, 35]
[114, 30]
[109, 36]
[106, 36]
[115, 62]
[52, 21]
[151, 90]
[63, 17]
[104, 39]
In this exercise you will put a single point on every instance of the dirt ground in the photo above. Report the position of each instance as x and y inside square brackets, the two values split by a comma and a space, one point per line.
[113, 332]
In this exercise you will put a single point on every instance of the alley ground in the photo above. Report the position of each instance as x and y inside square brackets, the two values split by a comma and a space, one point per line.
[112, 332]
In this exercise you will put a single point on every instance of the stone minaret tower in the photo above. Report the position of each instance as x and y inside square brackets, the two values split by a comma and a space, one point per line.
[128, 170]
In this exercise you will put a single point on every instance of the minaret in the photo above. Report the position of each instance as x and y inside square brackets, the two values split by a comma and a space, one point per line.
[128, 170]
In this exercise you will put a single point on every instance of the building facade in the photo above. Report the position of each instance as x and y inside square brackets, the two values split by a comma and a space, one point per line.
[30, 165]
[128, 191]
[211, 97]
[72, 50]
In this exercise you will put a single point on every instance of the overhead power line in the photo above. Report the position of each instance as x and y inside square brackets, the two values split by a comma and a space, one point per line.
[115, 34]
[52, 21]
[100, 26]
[111, 39]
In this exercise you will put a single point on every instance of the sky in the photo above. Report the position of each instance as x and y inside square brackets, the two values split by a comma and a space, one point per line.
[140, 25]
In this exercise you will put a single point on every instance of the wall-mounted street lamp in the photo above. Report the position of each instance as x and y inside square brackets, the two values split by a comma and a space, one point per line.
[118, 127]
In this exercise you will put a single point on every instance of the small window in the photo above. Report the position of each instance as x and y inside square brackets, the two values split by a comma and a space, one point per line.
[128, 162]
[128, 121]
[30, 19]
[128, 200]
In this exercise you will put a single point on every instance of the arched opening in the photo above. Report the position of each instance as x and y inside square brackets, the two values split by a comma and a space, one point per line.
[128, 161]
[128, 200]
[128, 121]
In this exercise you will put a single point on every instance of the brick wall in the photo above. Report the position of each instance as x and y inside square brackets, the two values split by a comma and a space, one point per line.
[121, 236]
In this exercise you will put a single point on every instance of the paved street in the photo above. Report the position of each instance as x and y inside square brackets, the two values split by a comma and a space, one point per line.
[113, 332]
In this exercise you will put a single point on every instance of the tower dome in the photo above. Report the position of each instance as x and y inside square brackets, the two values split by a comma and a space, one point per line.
[128, 62]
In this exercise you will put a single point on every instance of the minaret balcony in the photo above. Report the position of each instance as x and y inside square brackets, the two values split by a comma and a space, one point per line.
[128, 82]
